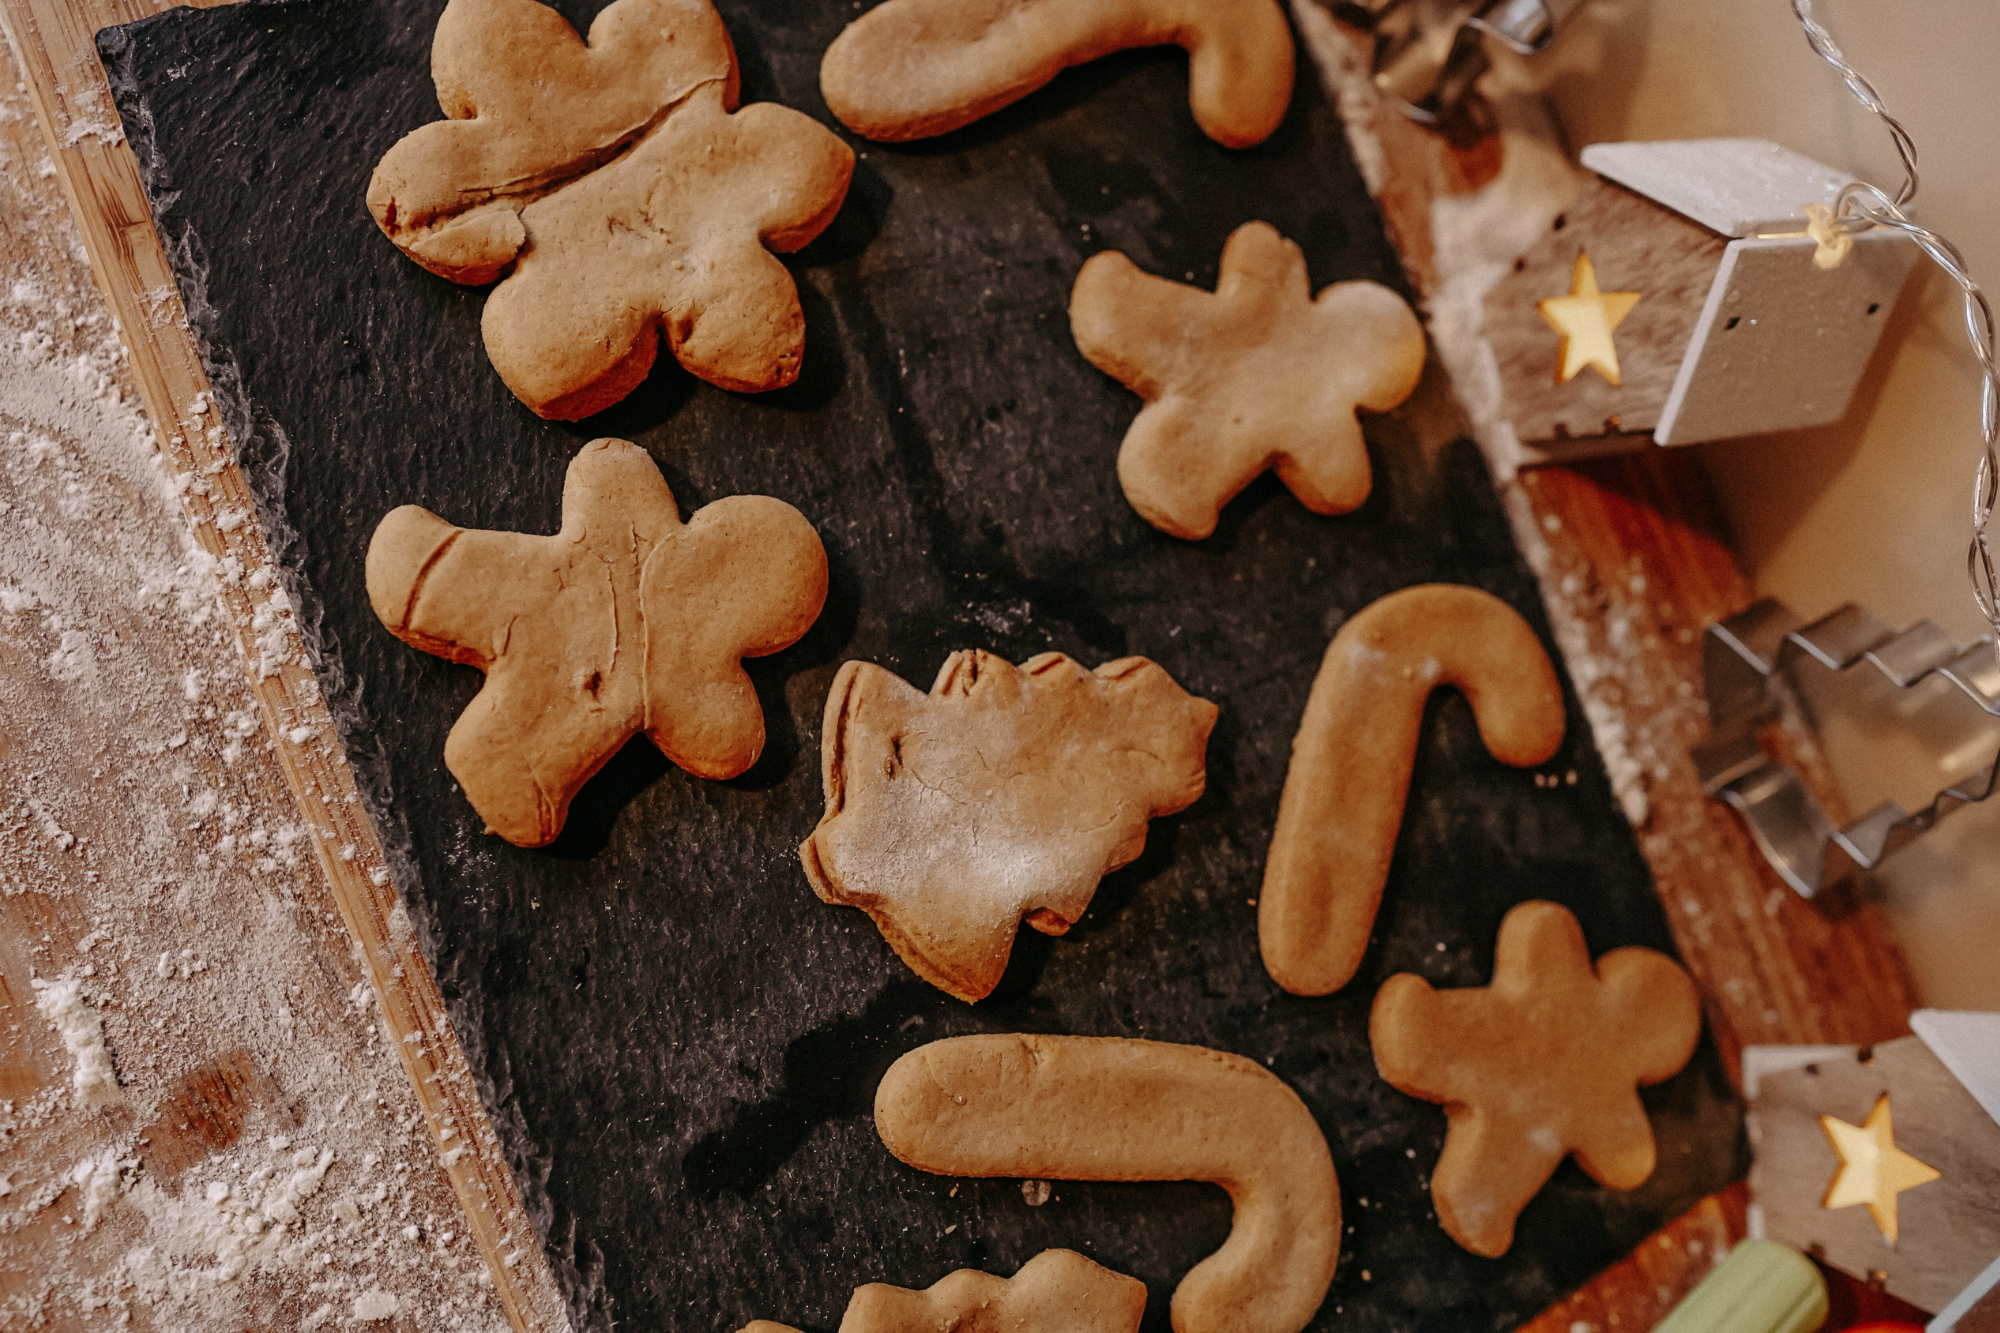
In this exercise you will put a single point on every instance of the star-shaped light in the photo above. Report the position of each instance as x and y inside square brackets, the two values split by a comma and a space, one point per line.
[1873, 1170]
[1585, 319]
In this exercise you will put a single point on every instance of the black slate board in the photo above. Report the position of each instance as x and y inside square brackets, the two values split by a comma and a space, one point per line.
[680, 1043]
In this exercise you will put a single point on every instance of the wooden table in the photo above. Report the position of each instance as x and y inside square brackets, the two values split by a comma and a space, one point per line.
[1630, 552]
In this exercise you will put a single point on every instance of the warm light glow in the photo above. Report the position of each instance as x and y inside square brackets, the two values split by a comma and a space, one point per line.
[1873, 1170]
[1585, 319]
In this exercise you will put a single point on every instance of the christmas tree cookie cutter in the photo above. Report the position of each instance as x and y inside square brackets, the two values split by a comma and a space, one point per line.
[1740, 658]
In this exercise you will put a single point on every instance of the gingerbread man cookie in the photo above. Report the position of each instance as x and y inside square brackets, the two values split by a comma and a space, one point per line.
[1543, 1063]
[1057, 1291]
[1258, 374]
[1109, 1108]
[1342, 803]
[626, 620]
[909, 69]
[1006, 792]
[628, 196]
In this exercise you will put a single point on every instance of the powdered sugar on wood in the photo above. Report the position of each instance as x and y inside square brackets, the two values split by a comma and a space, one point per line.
[201, 1125]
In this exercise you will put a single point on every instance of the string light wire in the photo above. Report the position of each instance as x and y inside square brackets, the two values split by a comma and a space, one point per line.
[1861, 206]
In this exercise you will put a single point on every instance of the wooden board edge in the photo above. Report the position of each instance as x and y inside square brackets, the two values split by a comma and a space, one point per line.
[1632, 547]
[1641, 1289]
[100, 178]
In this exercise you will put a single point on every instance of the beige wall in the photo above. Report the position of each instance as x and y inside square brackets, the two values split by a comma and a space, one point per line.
[1874, 509]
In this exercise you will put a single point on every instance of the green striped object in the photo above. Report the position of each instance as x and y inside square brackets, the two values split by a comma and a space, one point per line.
[1762, 1287]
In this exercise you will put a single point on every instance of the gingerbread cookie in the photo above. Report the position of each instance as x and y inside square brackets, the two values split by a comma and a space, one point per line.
[1258, 374]
[631, 199]
[1544, 1062]
[1350, 773]
[625, 620]
[1006, 792]
[909, 69]
[1106, 1108]
[1057, 1291]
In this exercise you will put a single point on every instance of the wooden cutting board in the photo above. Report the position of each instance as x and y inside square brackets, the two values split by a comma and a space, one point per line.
[1773, 967]
[682, 1039]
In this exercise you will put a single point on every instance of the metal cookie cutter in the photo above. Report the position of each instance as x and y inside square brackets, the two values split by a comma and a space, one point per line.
[1429, 53]
[1739, 657]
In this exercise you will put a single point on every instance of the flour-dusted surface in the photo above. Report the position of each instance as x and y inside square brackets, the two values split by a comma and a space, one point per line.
[201, 1126]
[82, 1031]
[678, 1034]
[1632, 564]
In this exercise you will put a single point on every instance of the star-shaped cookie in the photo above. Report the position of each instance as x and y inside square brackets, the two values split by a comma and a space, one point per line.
[1544, 1063]
[1256, 375]
[1005, 793]
[626, 620]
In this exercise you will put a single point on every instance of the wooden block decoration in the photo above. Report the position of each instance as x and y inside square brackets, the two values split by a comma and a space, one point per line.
[1969, 1045]
[1635, 246]
[1733, 187]
[1947, 1228]
[1781, 343]
[1736, 331]
[1974, 1310]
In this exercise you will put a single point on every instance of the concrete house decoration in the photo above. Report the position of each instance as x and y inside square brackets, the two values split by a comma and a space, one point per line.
[1735, 329]
[1884, 1162]
[1974, 1310]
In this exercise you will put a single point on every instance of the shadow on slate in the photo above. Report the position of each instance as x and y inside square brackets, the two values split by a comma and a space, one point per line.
[679, 1043]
